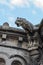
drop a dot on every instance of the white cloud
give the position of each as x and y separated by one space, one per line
38 3
13 3
19 3
3 1
22 3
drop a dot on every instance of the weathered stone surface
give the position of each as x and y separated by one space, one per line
21 46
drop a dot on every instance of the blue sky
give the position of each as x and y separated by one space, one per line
32 10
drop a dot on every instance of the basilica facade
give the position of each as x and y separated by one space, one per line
16 47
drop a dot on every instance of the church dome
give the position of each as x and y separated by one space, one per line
5 25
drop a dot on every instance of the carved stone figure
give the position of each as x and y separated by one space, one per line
25 24
36 38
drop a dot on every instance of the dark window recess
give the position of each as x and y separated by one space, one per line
16 63
2 61
19 44
20 41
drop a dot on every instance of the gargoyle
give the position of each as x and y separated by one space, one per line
37 37
26 25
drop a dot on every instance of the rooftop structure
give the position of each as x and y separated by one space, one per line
21 46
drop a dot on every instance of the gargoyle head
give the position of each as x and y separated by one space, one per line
18 21
24 24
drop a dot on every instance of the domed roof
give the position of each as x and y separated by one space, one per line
6 24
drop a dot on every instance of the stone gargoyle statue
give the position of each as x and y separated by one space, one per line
26 25
37 31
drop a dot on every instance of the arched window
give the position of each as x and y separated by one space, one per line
16 63
18 60
2 61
